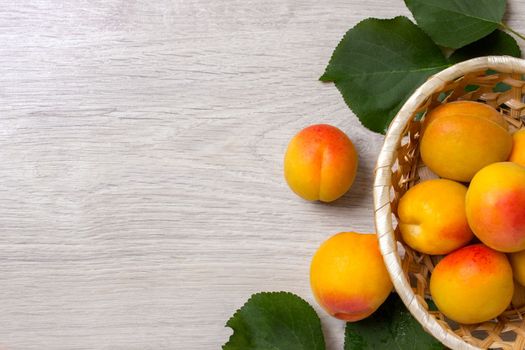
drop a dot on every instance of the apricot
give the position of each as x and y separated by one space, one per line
495 206
472 284
518 148
348 276
517 261
432 217
320 163
460 138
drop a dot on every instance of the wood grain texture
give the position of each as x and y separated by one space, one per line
141 190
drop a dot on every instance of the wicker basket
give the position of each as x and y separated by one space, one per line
399 167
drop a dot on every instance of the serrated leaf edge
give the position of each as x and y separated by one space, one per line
464 44
325 77
269 293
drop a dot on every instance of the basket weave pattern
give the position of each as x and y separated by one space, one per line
399 167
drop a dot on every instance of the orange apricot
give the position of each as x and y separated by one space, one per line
320 163
432 217
495 205
461 137
518 148
473 284
517 260
348 276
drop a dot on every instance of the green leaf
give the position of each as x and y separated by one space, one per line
456 23
275 321
378 64
390 327
496 43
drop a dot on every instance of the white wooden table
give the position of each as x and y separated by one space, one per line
141 143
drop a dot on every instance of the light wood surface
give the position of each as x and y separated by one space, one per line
141 142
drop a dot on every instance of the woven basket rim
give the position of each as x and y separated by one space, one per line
383 178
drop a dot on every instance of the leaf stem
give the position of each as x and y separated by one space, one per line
506 27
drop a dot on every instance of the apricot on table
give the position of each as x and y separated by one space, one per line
495 206
473 284
320 163
432 217
348 276
460 138
518 148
